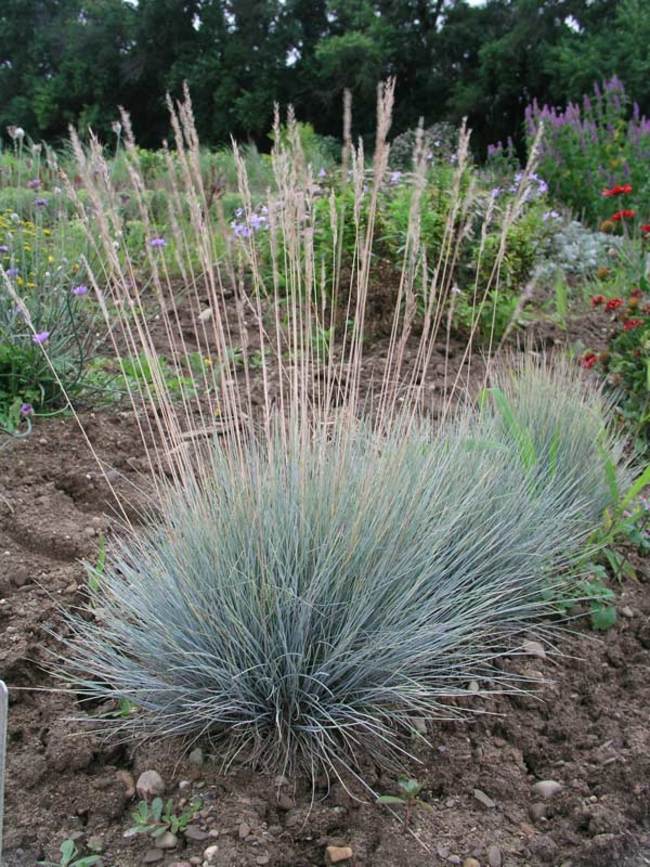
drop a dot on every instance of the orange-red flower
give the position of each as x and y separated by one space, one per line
636 293
645 229
614 304
597 300
631 324
627 214
618 190
588 360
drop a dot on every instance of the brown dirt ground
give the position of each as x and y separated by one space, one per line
586 726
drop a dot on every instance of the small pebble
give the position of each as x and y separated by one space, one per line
184 785
419 724
127 781
193 832
547 788
337 854
453 859
471 862
626 611
537 812
285 802
494 856
153 855
244 831
262 859
533 648
167 841
196 757
211 853
484 799
150 784
95 844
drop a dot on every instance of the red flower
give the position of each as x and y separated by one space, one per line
645 229
618 190
623 215
636 293
631 324
614 303
597 300
588 360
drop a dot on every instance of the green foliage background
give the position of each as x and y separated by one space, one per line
75 61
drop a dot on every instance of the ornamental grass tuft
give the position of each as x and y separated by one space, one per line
305 599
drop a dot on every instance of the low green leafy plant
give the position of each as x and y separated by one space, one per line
70 857
159 816
409 799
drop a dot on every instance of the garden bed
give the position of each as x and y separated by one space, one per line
585 727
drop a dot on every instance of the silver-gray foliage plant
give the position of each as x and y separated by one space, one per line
305 609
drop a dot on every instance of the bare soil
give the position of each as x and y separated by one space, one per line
585 727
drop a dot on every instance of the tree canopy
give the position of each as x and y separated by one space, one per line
76 61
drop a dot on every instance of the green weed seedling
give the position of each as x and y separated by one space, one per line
159 817
409 799
69 853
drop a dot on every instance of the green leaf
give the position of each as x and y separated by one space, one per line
68 851
157 808
641 482
390 799
603 617
521 436
410 786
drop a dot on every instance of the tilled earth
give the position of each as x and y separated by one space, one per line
585 728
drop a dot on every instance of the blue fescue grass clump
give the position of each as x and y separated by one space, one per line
303 599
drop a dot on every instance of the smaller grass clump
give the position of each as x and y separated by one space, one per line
306 594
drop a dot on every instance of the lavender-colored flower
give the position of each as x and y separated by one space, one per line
40 337
495 192
41 203
550 215
80 290
4 248
322 173
394 178
240 230
34 184
12 272
26 409
157 243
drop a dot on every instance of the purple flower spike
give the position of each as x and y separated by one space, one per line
80 290
34 184
12 272
40 338
26 409
157 242
41 203
4 248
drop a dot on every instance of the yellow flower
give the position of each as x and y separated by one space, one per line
207 361
50 259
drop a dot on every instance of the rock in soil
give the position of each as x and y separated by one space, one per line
547 788
193 832
484 799
337 854
150 784
151 856
494 856
167 841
